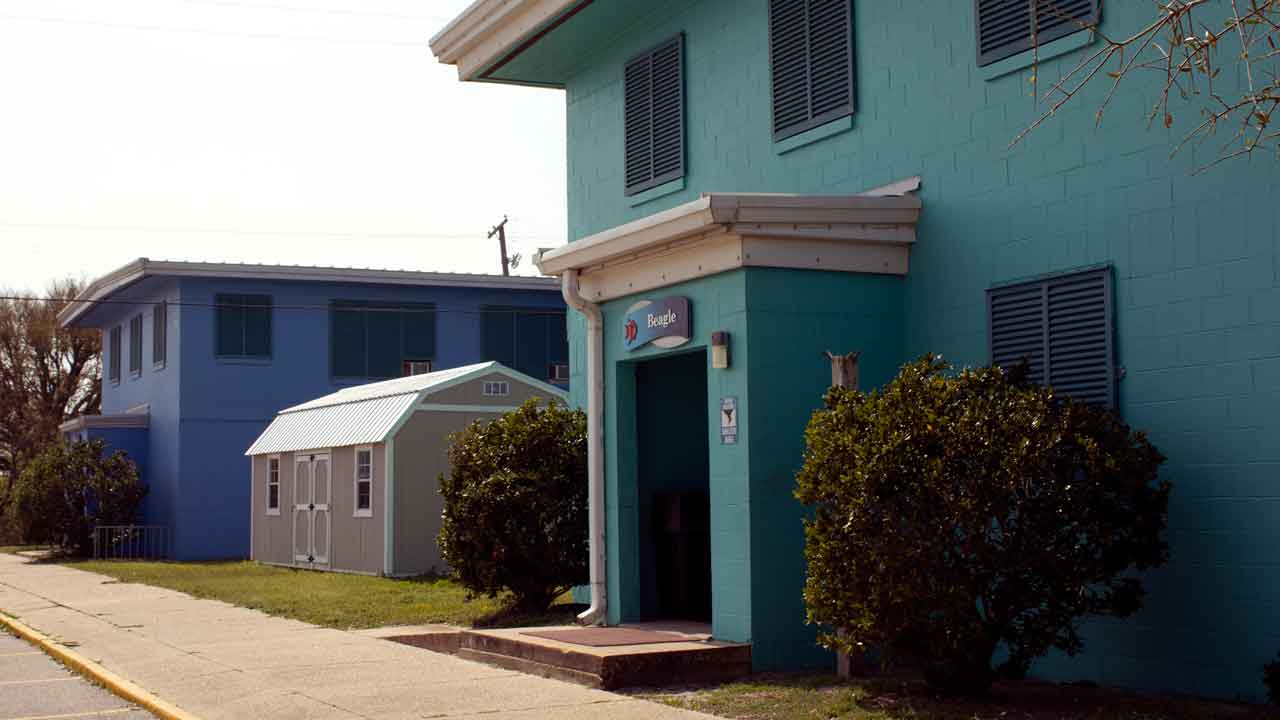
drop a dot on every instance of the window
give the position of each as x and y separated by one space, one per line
558 372
416 367
114 355
811 63
1062 324
135 346
273 486
364 482
379 341
494 388
243 326
159 334
653 116
527 339
1006 27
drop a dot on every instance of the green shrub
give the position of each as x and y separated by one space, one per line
1271 678
66 490
515 505
958 513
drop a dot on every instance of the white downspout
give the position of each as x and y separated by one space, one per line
595 442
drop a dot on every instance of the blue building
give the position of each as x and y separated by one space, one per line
801 176
199 357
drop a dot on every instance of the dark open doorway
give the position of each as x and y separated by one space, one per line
674 487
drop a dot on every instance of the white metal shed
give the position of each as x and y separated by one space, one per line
390 441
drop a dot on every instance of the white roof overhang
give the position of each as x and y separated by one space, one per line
489 30
724 231
135 271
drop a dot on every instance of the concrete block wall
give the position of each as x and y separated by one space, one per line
1195 259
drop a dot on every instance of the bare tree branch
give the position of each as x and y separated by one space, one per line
1189 54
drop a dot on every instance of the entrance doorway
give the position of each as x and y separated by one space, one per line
311 492
674 487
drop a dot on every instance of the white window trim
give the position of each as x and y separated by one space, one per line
267 499
356 511
496 388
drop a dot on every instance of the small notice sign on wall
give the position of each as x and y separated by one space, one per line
728 421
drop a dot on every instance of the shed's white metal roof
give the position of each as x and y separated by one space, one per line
369 413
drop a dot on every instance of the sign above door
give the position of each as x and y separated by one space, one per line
665 322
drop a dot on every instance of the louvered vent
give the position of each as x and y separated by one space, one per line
1063 326
1005 27
811 58
653 116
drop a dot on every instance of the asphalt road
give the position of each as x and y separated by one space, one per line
34 687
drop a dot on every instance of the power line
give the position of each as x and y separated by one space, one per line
208 31
235 231
379 307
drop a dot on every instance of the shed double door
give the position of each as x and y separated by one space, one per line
312 491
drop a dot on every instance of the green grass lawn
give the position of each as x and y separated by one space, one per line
336 600
824 697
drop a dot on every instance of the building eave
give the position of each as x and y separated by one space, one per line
141 420
490 32
724 231
117 280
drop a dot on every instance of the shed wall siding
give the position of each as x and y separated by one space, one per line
472 393
272 534
421 456
357 541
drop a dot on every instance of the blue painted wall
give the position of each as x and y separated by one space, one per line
1195 257
206 411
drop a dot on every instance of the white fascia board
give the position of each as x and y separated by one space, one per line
113 282
721 232
488 30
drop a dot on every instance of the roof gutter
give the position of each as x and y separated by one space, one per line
596 614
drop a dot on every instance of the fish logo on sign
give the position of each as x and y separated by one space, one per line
664 322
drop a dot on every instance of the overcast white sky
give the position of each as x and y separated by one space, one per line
316 132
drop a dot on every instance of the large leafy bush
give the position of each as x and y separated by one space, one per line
67 489
515 504
956 513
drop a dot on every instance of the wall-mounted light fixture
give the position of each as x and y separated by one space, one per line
720 349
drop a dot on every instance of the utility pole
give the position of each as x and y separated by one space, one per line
501 231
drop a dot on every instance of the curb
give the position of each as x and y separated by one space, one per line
92 670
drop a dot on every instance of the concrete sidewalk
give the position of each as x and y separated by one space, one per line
220 661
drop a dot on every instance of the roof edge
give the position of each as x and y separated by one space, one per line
122 277
488 31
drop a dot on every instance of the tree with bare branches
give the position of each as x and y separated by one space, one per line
48 375
1186 45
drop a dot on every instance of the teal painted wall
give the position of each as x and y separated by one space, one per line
1195 256
718 303
793 317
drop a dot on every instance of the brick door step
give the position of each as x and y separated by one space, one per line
610 667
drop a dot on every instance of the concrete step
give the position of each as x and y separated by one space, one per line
612 667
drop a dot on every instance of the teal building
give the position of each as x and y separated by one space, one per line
753 183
